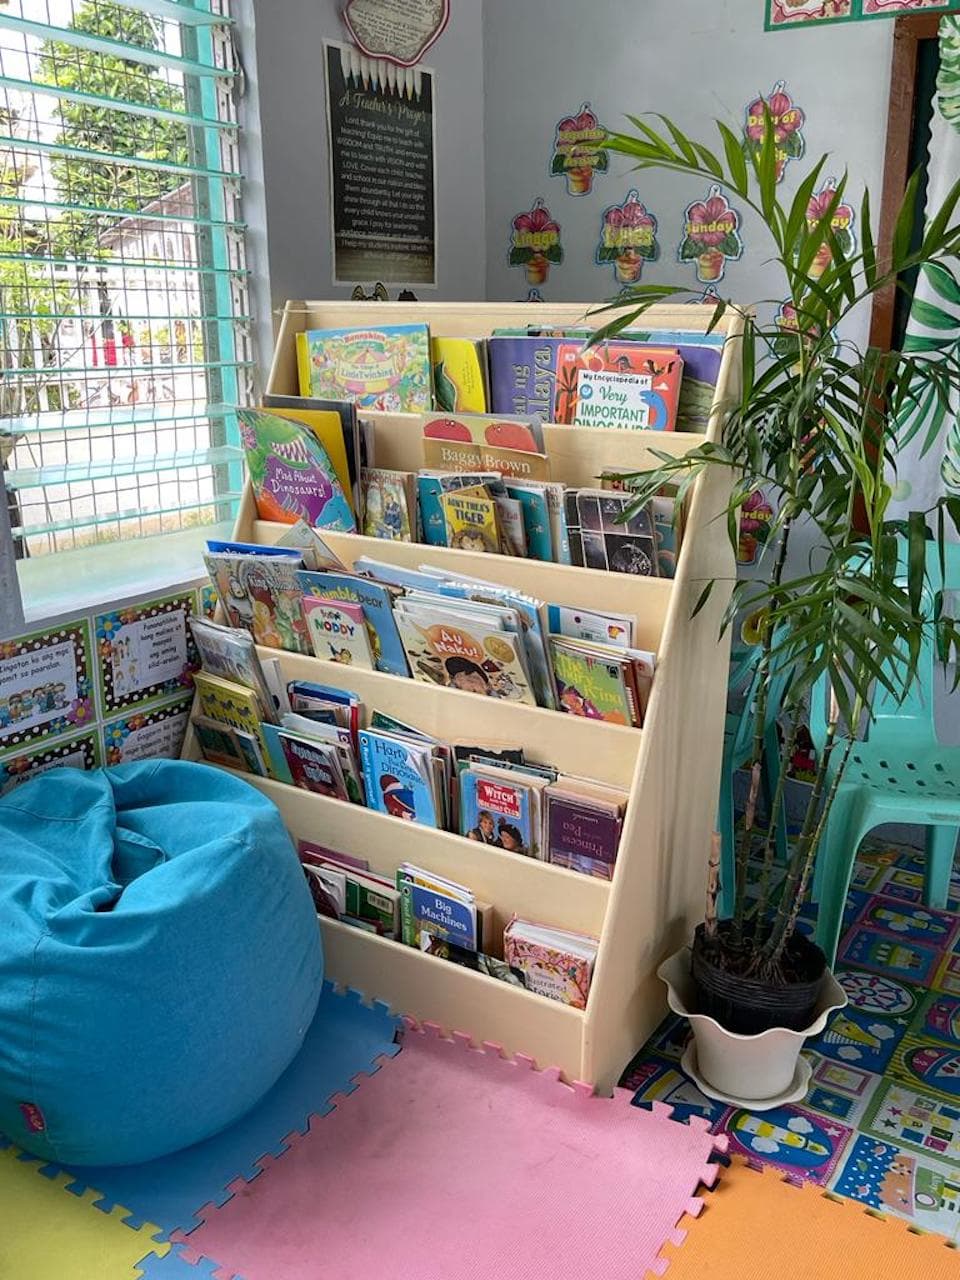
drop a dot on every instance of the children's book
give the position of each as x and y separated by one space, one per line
535 511
398 777
252 752
315 700
612 540
389 504
523 373
432 945
554 494
590 686
446 909
229 703
532 627
431 485
218 743
316 554
585 624
457 455
385 367
460 374
470 516
518 434
500 810
375 600
315 413
461 653
513 535
623 385
338 631
337 737
582 826
668 531
313 765
261 595
291 473
230 652
555 963
317 854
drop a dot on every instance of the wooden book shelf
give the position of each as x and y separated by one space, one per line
670 767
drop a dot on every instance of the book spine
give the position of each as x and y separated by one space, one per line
303 364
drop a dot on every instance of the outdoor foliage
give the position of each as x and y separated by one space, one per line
819 423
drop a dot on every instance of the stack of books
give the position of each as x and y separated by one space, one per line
318 737
442 918
660 381
435 626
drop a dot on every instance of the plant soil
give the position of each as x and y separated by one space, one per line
731 989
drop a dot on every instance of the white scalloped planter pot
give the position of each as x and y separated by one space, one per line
749 1070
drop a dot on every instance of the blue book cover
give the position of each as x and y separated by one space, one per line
432 523
536 521
442 916
394 780
252 549
523 375
276 761
497 812
377 607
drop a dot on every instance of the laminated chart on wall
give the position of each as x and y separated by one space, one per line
781 14
381 124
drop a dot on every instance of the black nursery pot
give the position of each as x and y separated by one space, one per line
746 1006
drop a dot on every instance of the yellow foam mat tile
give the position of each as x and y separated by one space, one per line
48 1233
755 1226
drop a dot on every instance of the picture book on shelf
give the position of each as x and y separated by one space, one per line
459 652
340 739
582 826
230 652
555 963
291 472
229 703
519 434
316 554
535 516
313 765
444 908
470 519
589 686
338 631
345 439
523 374
457 455
431 486
385 367
218 743
389 504
601 538
261 594
459 374
433 945
374 599
499 809
623 385
398 777
586 624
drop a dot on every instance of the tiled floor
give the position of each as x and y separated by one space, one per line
881 1119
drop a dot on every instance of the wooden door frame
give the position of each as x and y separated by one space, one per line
907 34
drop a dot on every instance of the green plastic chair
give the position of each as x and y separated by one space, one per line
899 773
737 750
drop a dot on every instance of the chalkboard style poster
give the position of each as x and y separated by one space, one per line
381 135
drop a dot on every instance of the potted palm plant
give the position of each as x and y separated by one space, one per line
817 423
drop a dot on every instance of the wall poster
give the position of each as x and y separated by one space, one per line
145 651
399 30
781 14
381 135
157 731
81 752
46 684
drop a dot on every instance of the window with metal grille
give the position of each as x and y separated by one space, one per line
122 280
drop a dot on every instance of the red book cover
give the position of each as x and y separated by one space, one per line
624 385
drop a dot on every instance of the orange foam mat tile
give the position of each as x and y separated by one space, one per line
755 1225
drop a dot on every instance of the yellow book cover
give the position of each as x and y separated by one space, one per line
327 426
459 374
231 704
303 365
471 516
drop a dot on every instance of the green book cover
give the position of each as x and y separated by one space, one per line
590 686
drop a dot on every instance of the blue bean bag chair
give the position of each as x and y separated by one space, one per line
160 960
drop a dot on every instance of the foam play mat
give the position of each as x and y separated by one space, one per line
755 1224
455 1161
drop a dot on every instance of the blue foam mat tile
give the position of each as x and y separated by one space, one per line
343 1041
174 1267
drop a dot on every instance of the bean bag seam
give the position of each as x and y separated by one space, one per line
34 996
53 817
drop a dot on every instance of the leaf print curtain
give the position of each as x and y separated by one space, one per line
929 462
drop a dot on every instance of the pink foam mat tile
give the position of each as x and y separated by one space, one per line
452 1160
